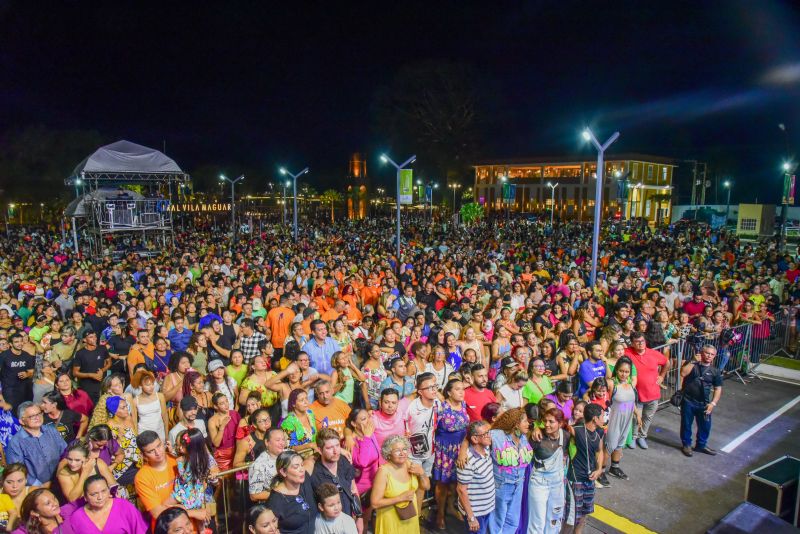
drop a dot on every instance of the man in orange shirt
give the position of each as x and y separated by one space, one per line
329 411
335 313
280 320
155 480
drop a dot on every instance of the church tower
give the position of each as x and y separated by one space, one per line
357 183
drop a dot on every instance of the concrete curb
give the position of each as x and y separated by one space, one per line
782 373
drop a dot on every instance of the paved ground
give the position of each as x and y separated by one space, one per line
669 493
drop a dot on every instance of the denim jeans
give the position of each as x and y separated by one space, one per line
692 411
546 502
483 524
507 507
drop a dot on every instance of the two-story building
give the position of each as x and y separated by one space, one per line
636 185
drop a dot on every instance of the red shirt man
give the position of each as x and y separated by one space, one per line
478 395
647 362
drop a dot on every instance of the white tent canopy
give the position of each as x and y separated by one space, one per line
80 206
125 157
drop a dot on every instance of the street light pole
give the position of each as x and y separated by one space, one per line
409 161
727 185
552 187
223 178
285 185
588 135
454 187
294 194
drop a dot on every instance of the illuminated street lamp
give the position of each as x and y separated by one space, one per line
409 161
222 179
286 184
588 135
454 187
294 194
552 187
727 184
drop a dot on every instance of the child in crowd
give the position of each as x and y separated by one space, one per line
331 519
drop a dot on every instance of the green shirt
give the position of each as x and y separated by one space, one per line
533 392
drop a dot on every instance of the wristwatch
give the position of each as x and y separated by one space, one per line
714 404
472 519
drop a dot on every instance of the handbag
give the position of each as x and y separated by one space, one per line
406 512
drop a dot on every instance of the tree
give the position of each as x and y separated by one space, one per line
471 212
431 109
35 161
332 196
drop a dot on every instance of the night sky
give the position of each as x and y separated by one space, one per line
262 84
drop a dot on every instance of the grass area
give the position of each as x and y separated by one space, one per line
788 363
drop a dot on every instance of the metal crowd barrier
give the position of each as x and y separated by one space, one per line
232 511
740 350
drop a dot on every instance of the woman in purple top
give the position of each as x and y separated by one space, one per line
104 514
41 514
563 399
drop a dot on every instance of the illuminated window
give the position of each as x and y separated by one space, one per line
649 172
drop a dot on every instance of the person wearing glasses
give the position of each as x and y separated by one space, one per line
292 497
475 487
651 369
37 446
702 389
394 490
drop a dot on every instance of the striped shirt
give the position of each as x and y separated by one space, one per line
478 477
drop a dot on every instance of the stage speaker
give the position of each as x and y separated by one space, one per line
751 519
774 487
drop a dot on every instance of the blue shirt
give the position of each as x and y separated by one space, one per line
179 340
408 386
39 454
588 372
320 355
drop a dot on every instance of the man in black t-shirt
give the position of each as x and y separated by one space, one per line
702 389
587 465
16 373
334 468
90 366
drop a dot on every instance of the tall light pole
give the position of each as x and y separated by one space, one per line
286 184
294 194
552 187
727 185
223 178
454 187
409 161
588 135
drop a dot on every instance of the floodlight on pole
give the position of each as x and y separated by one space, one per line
223 178
588 135
409 161
727 184
294 194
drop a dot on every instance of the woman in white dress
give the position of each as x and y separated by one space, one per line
150 405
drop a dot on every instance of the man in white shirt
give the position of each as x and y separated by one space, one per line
420 423
670 295
188 420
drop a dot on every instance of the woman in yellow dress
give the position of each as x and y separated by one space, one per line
394 490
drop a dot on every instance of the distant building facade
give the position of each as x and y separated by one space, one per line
635 186
357 185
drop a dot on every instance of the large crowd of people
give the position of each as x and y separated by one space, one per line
478 380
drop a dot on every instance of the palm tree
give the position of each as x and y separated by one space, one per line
332 196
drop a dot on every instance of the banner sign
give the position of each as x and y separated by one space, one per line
420 192
788 188
428 193
406 186
199 207
509 191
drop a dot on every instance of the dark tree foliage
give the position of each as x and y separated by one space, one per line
432 109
